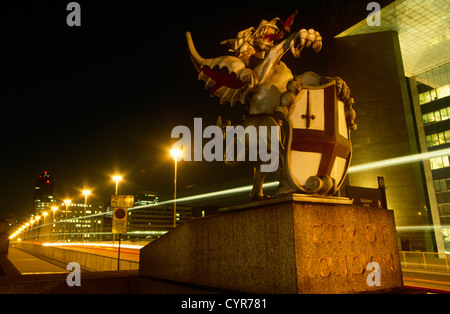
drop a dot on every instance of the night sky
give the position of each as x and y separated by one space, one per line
87 102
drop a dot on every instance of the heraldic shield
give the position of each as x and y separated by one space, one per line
318 150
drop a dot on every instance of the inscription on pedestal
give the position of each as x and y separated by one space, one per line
335 251
346 264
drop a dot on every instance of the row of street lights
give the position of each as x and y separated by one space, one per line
33 219
176 155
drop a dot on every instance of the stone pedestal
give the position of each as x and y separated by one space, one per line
282 246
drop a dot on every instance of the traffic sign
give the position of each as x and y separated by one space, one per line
125 201
119 224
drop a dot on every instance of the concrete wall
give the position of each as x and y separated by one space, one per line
4 241
87 261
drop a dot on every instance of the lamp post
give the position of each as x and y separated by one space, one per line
117 178
67 202
176 153
38 230
43 223
27 231
86 193
54 209
31 227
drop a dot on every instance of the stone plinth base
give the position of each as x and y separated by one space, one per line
286 247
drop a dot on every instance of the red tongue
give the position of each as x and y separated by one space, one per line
272 37
222 78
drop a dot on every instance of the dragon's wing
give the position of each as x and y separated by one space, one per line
227 76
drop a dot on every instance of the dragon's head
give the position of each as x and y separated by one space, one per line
266 33
253 41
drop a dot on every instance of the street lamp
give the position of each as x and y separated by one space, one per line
38 231
86 193
31 227
67 202
176 153
43 223
54 209
27 231
117 179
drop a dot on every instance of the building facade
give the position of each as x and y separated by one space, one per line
149 220
43 193
70 223
431 90
389 71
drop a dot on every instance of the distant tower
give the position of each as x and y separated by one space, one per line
43 192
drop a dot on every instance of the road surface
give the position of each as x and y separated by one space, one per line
433 281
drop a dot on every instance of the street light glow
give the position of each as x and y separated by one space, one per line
117 178
176 153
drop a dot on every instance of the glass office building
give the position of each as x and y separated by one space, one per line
398 71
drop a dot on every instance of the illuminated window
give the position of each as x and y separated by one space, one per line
421 99
438 93
447 136
439 162
437 116
427 96
429 141
435 139
444 114
438 138
441 138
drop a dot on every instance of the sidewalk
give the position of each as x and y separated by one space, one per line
28 264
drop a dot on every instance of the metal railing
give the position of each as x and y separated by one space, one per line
426 260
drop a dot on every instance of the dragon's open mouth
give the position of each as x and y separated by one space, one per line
222 77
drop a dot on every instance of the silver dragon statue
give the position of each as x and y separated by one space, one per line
256 77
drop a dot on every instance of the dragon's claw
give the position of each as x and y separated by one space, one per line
306 38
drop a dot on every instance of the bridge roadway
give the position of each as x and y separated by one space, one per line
27 264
